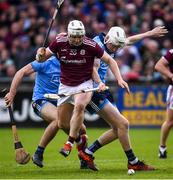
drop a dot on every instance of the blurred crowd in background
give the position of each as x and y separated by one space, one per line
23 25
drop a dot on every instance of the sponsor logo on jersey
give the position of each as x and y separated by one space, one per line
63 50
73 61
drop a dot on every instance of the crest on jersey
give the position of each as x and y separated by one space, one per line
73 52
82 52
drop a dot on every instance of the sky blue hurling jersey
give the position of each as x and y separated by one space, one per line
103 66
47 77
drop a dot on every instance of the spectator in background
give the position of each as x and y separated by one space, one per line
135 73
2 46
31 18
26 52
7 67
150 54
15 32
167 44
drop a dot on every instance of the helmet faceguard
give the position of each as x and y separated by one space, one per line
116 36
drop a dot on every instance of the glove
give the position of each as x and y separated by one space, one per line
41 53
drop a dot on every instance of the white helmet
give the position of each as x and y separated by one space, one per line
116 36
76 28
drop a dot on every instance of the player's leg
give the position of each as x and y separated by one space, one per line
80 102
106 138
64 120
113 117
64 123
119 129
47 111
167 125
64 114
165 129
97 103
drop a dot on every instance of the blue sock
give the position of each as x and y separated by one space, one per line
95 146
40 150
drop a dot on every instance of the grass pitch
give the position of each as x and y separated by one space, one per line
110 159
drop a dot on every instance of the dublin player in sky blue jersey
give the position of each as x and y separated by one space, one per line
101 103
47 80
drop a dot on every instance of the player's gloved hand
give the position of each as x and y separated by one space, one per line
102 87
41 53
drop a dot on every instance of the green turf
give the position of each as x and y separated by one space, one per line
110 159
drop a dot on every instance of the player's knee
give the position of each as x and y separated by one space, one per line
61 125
169 123
79 108
114 130
125 124
55 126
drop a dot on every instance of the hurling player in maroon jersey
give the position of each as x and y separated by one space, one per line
76 53
165 67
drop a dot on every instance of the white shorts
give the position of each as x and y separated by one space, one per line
72 89
169 98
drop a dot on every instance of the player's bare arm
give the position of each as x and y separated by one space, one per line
25 71
115 70
156 32
162 67
96 77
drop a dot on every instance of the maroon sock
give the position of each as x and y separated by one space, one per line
78 139
71 139
82 131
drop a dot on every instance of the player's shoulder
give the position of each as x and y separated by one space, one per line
89 42
170 51
169 55
62 37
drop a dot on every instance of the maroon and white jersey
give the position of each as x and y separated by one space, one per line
169 58
76 61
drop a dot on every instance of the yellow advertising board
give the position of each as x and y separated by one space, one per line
144 106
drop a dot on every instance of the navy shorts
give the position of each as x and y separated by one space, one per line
39 104
99 100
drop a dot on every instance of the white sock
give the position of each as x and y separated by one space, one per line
162 149
88 151
68 142
134 161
